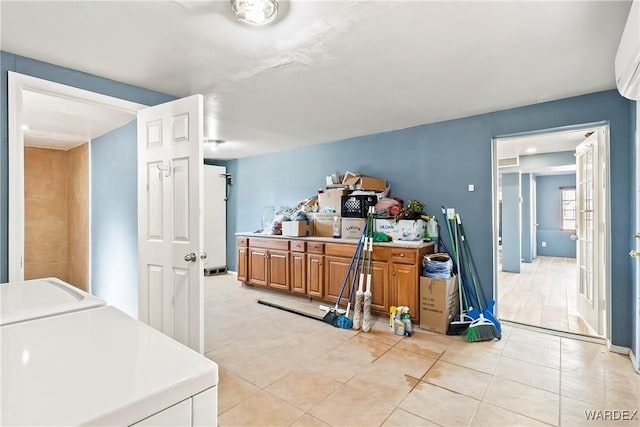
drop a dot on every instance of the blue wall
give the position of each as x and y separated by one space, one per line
114 218
434 163
122 158
511 229
527 235
549 212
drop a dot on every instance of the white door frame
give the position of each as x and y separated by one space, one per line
605 276
17 84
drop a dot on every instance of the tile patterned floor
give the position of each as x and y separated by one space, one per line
281 369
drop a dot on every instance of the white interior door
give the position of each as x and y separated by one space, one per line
170 167
587 213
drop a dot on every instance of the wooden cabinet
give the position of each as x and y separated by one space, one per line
269 262
405 287
315 275
318 269
335 270
298 272
258 274
242 267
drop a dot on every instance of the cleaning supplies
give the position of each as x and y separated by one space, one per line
432 229
406 321
337 227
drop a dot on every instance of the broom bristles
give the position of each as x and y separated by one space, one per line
357 311
366 318
481 330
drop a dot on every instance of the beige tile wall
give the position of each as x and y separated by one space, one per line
78 209
57 196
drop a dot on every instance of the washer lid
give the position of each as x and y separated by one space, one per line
34 299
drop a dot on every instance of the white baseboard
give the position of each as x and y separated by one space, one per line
618 349
232 272
635 361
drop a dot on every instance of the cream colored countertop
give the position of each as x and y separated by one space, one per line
395 244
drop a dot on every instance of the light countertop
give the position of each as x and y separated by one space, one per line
418 244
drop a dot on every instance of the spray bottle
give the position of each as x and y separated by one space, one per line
432 229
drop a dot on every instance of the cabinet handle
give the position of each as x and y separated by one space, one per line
393 273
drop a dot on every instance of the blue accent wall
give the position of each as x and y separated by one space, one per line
511 229
122 157
527 226
434 163
549 213
114 218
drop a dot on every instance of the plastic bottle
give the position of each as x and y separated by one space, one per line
432 229
406 320
336 227
392 315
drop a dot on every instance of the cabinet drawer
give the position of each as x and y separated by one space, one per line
297 246
242 241
315 247
339 249
265 242
403 256
380 253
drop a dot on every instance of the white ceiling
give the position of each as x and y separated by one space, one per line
542 143
61 124
327 70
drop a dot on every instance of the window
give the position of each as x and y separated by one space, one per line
568 208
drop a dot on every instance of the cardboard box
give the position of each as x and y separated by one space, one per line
323 224
438 303
297 228
409 229
365 183
386 226
331 199
352 227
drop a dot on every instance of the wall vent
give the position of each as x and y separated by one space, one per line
506 162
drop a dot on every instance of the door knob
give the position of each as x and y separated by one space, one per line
191 256
637 235
203 255
573 237
634 254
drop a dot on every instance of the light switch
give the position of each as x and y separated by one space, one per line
544 244
472 187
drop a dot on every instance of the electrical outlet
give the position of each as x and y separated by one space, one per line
472 187
544 244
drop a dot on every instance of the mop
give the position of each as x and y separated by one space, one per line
366 317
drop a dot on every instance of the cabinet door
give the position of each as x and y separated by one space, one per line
278 270
315 275
241 265
404 287
258 267
176 415
379 286
336 268
298 272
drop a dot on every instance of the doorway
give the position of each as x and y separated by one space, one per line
50 129
551 264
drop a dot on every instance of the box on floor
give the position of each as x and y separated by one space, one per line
438 303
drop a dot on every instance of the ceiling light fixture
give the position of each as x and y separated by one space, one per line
216 143
255 12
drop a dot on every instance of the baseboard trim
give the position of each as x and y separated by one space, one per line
634 361
617 348
587 338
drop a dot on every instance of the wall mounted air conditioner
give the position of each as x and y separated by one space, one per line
507 162
627 64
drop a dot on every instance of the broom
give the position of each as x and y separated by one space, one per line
482 331
344 321
460 324
332 315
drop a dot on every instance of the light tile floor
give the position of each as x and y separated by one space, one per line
281 369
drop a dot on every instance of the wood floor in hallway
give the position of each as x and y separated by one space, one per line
543 294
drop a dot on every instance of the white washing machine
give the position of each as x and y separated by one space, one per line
34 299
67 359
